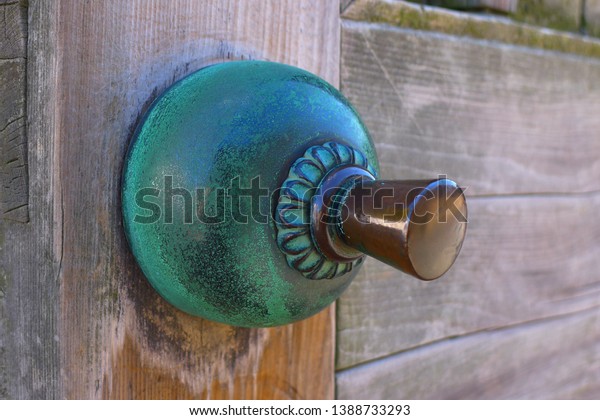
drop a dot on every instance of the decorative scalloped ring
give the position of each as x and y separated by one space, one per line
292 216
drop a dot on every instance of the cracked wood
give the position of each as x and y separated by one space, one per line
13 141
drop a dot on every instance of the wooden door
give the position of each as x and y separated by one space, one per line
509 111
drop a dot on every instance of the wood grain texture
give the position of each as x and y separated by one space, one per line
13 197
524 258
499 119
13 30
13 140
114 336
478 26
551 359
29 252
591 15
505 122
562 15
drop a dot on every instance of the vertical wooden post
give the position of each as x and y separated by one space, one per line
95 66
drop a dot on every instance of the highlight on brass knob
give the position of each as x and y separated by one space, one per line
415 226
251 196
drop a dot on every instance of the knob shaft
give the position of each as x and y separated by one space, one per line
417 226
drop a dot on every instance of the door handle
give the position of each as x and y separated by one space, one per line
251 196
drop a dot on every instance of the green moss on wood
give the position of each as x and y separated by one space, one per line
469 5
429 19
562 16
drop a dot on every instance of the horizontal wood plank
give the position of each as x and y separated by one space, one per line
505 122
478 26
563 15
498 119
550 359
523 258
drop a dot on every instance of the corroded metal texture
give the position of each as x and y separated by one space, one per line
201 182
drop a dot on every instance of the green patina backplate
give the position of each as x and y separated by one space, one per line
199 147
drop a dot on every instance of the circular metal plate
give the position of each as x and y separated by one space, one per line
201 182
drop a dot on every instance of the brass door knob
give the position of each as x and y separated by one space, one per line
425 220
251 197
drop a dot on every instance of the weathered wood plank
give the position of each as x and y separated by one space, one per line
13 143
344 4
499 119
592 17
13 30
524 258
426 100
13 171
550 359
503 6
29 252
12 83
410 15
114 336
563 15
14 200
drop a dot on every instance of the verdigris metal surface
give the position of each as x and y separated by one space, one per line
300 201
217 145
